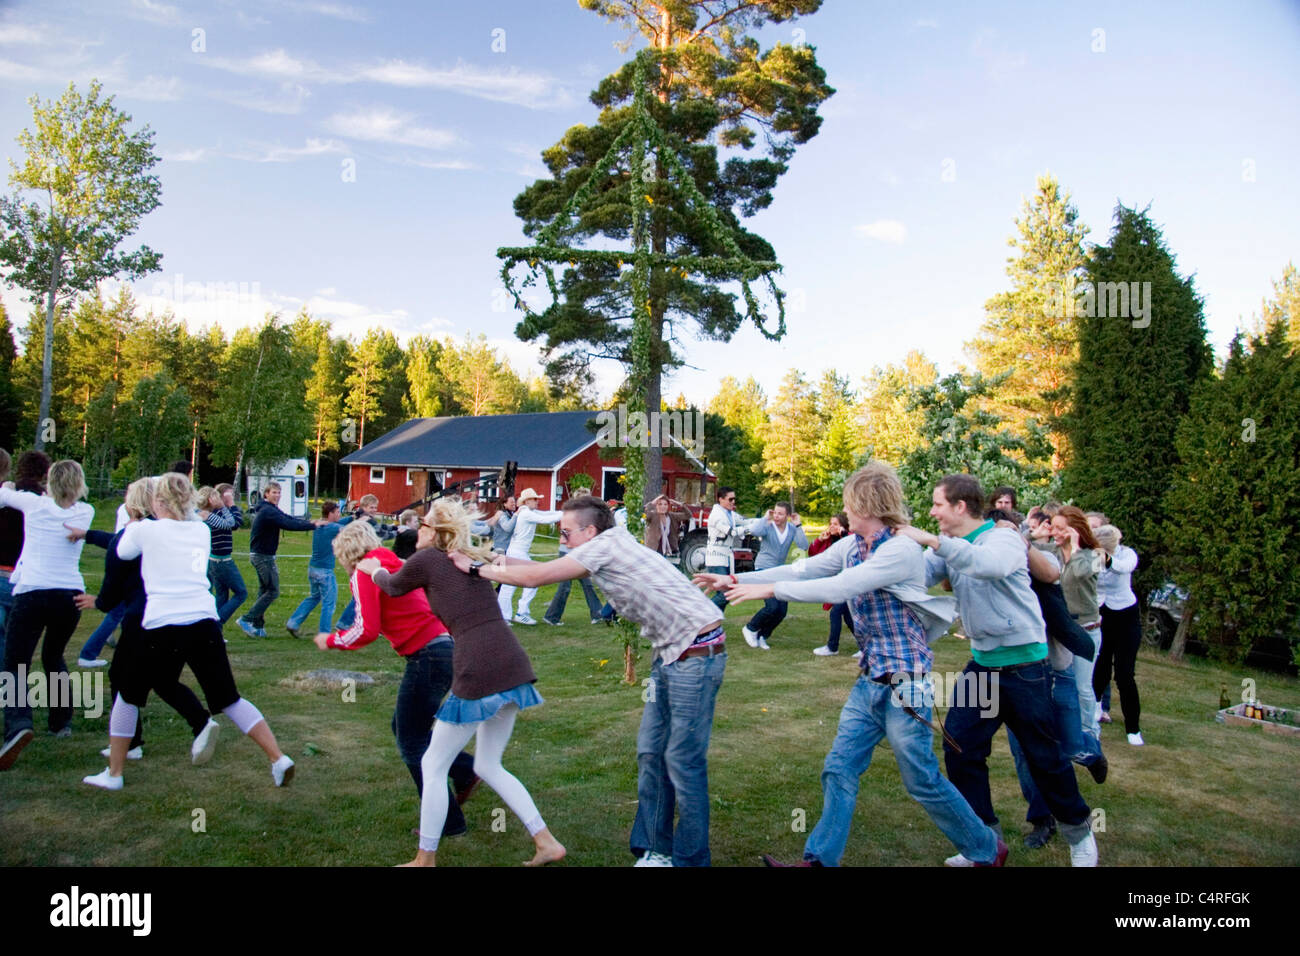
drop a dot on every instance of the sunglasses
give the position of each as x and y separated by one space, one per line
564 535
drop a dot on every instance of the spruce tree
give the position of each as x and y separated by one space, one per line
1133 382
1232 514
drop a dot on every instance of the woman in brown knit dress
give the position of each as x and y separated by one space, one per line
492 677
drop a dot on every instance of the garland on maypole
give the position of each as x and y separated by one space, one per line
646 143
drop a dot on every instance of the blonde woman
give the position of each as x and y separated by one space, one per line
45 582
180 627
492 677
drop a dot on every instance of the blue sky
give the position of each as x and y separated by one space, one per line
891 224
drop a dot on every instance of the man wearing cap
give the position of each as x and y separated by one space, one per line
527 518
690 659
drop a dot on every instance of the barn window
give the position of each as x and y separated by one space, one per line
410 472
376 476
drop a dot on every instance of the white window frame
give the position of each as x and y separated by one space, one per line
489 492
380 479
605 470
409 482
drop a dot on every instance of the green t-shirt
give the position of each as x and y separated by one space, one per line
1004 656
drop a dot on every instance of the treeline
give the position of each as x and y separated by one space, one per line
132 393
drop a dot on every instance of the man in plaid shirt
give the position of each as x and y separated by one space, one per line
690 659
881 575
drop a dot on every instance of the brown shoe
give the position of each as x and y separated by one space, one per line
13 747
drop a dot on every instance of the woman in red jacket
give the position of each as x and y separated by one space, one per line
421 639
838 528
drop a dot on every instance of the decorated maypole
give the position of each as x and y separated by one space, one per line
646 149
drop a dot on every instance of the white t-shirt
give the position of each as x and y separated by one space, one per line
49 559
174 568
526 522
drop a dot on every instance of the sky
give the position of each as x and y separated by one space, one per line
361 158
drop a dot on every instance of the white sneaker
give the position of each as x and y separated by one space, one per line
825 651
135 753
958 860
1084 853
524 619
762 643
750 638
857 655
97 662
205 744
654 859
104 779
1136 739
282 771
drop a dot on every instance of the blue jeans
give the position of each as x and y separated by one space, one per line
1089 712
765 620
425 683
1025 706
268 588
719 599
349 614
324 591
839 615
873 712
94 645
228 585
672 750
555 611
6 602
1075 745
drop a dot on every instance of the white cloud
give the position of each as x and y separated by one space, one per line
20 72
152 88
926 23
285 154
389 126
534 90
434 163
155 12
337 11
249 21
21 35
886 230
289 100
185 155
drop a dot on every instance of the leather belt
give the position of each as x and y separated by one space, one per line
704 650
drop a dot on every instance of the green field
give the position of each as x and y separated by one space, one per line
1199 793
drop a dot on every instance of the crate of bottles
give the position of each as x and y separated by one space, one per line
1278 720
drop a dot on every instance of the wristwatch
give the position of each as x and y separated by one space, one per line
473 569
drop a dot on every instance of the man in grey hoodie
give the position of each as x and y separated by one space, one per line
987 567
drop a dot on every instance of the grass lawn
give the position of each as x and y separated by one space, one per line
1199 793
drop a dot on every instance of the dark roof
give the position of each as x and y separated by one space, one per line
541 440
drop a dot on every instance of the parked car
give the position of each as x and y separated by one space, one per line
1164 611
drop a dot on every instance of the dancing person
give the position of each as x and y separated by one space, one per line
45 582
988 569
502 522
880 575
263 543
408 533
663 526
367 509
492 677
323 587
779 530
418 637
690 658
836 528
223 516
123 587
527 518
725 528
1121 629
179 628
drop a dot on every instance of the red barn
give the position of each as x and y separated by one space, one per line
550 447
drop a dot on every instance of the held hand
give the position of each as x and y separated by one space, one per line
322 641
749 592
711 582
74 534
923 538
84 602
461 560
369 566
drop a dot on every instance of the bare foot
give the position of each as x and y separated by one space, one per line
549 850
422 858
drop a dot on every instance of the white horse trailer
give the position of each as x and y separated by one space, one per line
292 476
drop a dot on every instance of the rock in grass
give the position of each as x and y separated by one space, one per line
328 679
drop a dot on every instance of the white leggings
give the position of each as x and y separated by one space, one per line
507 593
491 737
122 718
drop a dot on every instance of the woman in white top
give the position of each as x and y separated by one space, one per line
527 518
1121 629
45 583
180 627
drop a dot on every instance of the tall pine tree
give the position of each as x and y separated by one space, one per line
1133 383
